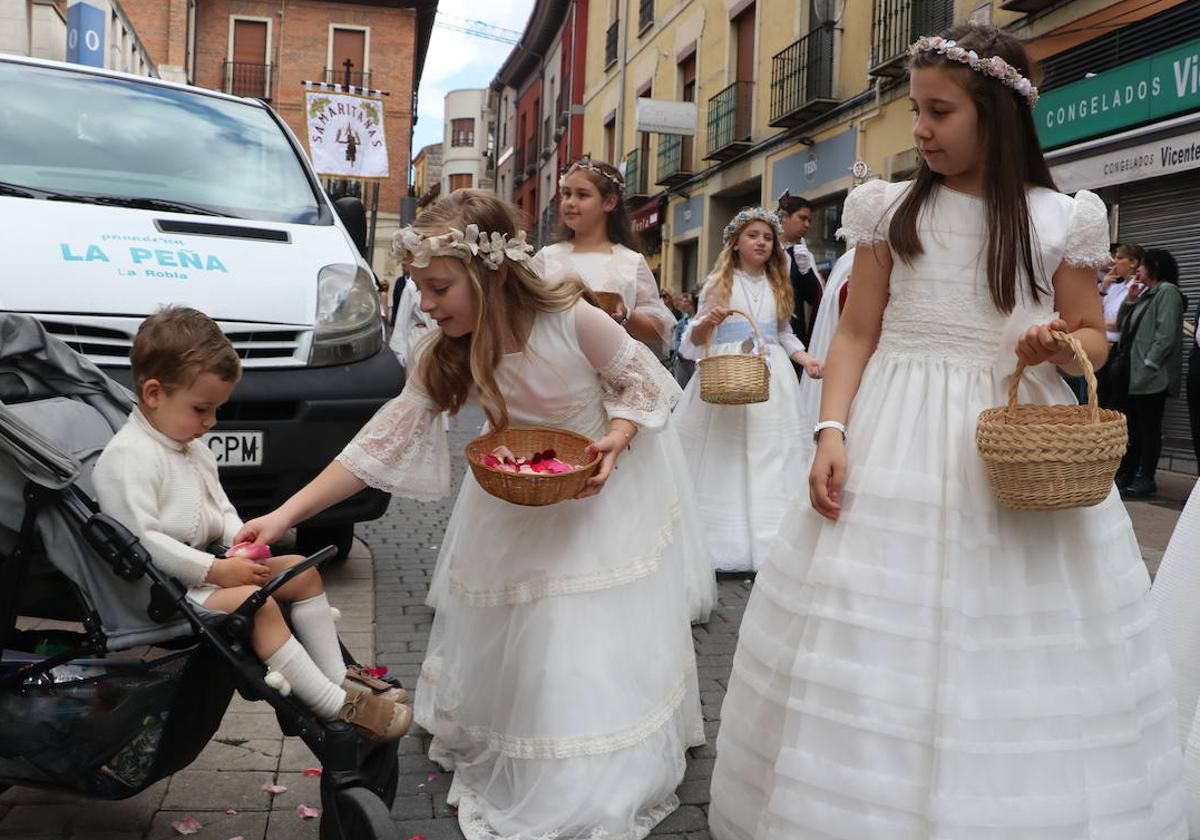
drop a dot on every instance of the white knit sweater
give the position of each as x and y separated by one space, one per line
168 494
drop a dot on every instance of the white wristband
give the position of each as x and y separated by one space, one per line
828 424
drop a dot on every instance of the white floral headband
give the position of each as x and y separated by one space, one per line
493 248
745 217
586 163
993 66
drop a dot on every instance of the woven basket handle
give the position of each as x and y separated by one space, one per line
1089 374
762 345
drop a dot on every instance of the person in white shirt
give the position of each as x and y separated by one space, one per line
159 478
1113 288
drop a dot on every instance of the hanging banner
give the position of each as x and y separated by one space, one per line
345 135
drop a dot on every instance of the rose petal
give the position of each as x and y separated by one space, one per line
312 771
307 812
430 777
188 825
274 789
231 811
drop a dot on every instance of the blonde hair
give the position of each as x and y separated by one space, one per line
450 366
776 268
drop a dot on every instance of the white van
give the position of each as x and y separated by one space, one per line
120 193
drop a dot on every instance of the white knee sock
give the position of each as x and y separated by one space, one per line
310 686
313 622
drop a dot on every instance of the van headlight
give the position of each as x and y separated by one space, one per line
349 326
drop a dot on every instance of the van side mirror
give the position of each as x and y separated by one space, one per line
353 214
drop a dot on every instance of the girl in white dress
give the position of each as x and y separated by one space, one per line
560 682
829 312
746 461
600 248
915 661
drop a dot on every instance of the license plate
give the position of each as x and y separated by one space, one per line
236 449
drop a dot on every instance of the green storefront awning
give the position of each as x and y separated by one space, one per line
1157 86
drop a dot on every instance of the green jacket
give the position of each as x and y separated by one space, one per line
1156 360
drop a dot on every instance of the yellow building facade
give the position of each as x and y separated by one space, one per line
788 96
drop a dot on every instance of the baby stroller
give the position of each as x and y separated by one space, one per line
74 715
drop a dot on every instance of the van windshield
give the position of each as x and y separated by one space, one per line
81 135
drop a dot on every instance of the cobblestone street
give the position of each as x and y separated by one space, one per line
405 546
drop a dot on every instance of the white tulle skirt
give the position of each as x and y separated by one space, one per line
560 682
1176 597
746 461
932 666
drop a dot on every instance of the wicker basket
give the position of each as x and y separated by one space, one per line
1051 457
540 488
735 378
609 301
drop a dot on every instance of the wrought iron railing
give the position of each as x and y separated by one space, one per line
729 116
897 23
802 74
341 76
674 158
245 78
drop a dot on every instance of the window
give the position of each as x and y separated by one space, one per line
610 138
348 57
246 71
687 93
645 15
460 182
643 175
462 132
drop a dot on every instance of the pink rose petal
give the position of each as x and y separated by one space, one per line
312 771
239 837
431 777
231 811
307 812
417 837
251 551
274 789
188 825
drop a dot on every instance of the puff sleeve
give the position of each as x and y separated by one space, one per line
1087 235
862 214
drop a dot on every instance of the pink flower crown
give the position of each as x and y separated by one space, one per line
993 66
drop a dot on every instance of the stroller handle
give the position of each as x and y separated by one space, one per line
241 617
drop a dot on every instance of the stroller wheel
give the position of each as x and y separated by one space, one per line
357 814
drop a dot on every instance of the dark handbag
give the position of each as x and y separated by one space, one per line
1120 365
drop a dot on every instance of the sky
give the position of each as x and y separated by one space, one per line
456 60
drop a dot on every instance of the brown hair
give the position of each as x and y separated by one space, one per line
618 227
1013 162
1130 251
449 366
176 344
776 267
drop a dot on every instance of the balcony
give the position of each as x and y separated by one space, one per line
341 76
729 121
518 165
531 156
636 176
897 23
645 15
547 134
243 78
674 159
563 113
802 79
610 44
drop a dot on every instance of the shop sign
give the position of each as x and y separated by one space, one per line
1157 86
648 217
1134 163
665 116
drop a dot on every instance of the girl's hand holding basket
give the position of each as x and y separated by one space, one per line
1038 345
609 448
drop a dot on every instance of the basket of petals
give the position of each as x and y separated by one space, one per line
533 466
608 301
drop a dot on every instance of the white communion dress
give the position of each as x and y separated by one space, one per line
747 461
626 273
560 681
932 665
1176 597
829 313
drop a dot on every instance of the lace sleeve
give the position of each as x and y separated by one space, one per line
636 386
648 302
862 214
788 340
709 299
402 449
1087 237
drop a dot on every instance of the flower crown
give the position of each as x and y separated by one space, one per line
493 248
745 217
993 66
586 163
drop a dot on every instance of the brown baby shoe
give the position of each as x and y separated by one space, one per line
379 719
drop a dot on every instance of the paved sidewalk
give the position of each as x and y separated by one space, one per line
247 752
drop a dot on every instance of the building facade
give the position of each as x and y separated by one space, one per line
468 141
39 29
427 170
267 49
